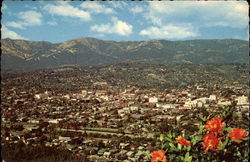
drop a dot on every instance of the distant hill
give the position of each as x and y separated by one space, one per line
152 77
22 55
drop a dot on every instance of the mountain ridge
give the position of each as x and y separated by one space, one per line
23 55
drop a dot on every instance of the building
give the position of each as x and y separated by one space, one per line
213 97
84 92
242 103
224 103
44 95
242 100
153 100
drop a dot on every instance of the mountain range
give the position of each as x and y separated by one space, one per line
23 55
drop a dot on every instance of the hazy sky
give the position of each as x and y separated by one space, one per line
58 21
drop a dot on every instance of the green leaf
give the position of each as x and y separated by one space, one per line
199 138
163 146
168 139
193 141
208 117
221 146
226 142
229 129
238 141
179 146
172 145
196 139
187 157
238 154
148 155
161 137
169 135
171 157
201 127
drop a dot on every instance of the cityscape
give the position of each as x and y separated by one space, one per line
125 81
105 124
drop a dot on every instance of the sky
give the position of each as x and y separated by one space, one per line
59 21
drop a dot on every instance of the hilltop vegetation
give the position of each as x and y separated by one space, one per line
21 55
144 76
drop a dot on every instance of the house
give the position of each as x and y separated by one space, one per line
134 108
199 88
203 99
212 97
191 103
169 106
100 92
185 108
242 103
34 121
105 98
242 100
54 121
31 127
64 139
67 96
44 95
200 104
84 92
100 83
166 107
224 103
120 111
152 99
126 110
120 104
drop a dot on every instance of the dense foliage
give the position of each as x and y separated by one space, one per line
144 76
217 139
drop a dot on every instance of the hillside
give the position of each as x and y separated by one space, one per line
144 76
21 55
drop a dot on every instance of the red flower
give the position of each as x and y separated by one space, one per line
158 156
210 141
215 125
183 141
237 134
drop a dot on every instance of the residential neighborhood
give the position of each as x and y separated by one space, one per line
106 124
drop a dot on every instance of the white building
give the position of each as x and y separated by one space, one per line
54 121
67 96
200 104
42 95
243 103
105 98
213 97
134 108
153 100
126 110
84 92
224 103
191 103
168 106
64 139
242 100
203 99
